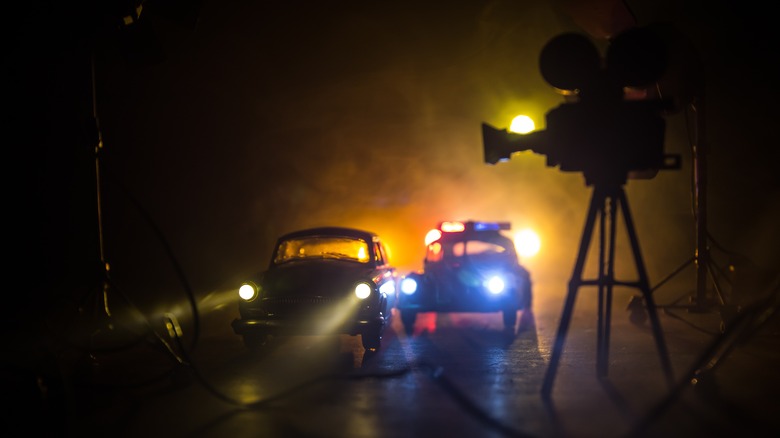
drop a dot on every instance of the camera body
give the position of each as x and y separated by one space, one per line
607 141
603 134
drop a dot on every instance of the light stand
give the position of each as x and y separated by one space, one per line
100 306
700 301
700 206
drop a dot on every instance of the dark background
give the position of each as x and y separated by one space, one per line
225 124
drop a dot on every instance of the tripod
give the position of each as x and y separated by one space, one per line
606 200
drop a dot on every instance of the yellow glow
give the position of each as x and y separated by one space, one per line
332 320
522 125
527 242
362 254
247 292
389 253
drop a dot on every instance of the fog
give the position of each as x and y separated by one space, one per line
262 119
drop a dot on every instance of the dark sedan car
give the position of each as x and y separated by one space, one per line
468 267
328 280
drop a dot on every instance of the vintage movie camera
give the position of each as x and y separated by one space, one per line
601 133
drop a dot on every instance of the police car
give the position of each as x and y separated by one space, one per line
468 267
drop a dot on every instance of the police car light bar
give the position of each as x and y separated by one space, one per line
490 226
458 227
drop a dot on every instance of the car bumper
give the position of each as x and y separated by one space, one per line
474 304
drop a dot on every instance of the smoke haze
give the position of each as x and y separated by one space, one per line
263 120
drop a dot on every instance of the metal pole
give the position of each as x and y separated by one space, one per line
700 192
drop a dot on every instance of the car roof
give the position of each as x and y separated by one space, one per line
368 236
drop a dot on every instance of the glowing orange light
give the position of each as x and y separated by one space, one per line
452 227
432 236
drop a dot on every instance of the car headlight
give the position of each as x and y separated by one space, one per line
363 290
248 291
388 288
409 286
495 284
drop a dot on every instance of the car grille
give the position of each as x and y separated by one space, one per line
281 306
295 301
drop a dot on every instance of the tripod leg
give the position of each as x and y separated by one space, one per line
601 326
644 286
596 204
606 283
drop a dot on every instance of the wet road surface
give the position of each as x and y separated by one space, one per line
454 375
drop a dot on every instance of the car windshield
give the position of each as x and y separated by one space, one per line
322 247
475 250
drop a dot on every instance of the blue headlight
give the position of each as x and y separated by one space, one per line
409 286
495 284
388 288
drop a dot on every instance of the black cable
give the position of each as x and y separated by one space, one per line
436 373
470 407
745 324
171 257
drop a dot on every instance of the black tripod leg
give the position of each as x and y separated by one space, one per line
600 330
644 286
606 283
596 204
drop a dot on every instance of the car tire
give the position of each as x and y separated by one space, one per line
371 340
408 318
527 297
510 319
